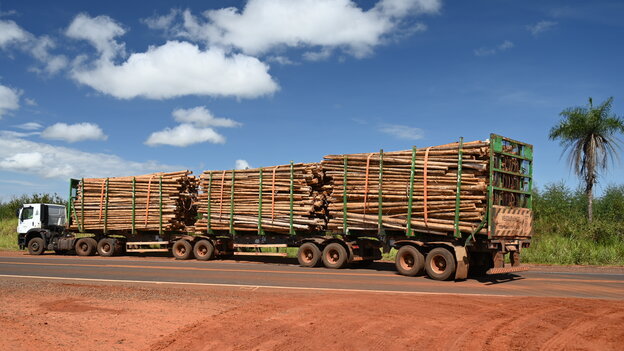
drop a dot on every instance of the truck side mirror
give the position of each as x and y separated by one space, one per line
17 213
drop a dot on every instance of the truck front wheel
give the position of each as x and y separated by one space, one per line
440 264
36 246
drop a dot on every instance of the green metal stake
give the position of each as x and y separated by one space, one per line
291 231
133 205
68 211
81 206
260 230
380 196
410 199
106 210
232 204
460 155
344 196
209 200
160 231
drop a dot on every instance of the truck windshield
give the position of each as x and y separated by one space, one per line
27 213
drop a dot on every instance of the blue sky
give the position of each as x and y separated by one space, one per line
117 88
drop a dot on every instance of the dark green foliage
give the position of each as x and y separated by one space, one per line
8 209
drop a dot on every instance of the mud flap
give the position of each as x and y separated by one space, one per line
461 256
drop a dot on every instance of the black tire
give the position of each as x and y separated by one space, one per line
203 250
440 264
85 247
36 246
409 261
309 255
335 256
107 247
182 250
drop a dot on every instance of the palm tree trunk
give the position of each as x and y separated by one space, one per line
589 190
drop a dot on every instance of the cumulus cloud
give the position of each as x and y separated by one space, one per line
265 24
184 135
29 126
38 47
242 164
177 69
484 51
11 33
9 100
100 31
50 161
74 132
402 131
195 128
202 117
540 27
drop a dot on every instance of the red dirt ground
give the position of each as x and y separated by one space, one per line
40 315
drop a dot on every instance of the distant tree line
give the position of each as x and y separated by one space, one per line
9 208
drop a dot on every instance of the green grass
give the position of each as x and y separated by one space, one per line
8 234
555 249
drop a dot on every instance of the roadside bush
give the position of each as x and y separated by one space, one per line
9 208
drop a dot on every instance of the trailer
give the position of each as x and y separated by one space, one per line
484 227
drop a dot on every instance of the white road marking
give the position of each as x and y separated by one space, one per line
247 286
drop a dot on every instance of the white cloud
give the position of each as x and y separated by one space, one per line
50 161
177 69
265 24
9 100
242 164
74 132
30 102
184 135
29 126
202 117
402 131
540 27
504 46
11 33
100 31
317 55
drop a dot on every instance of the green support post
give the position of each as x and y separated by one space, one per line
344 196
160 230
410 199
380 195
460 156
291 231
232 204
260 230
209 210
106 210
81 229
133 205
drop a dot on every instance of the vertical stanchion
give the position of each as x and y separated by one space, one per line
345 227
460 156
232 204
260 230
133 205
380 195
209 210
411 194
291 231
82 205
160 231
106 210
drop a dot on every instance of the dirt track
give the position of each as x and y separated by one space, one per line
40 315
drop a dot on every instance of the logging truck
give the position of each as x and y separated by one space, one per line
445 211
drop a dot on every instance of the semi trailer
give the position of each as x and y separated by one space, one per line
368 203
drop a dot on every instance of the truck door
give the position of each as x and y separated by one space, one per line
26 219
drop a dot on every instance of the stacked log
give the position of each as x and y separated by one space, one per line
434 189
141 203
260 199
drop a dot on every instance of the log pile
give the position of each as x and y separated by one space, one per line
434 189
114 204
260 199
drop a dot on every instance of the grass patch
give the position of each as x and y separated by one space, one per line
553 249
8 234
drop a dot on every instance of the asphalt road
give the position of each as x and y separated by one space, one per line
284 274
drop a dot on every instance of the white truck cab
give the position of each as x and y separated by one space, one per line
42 221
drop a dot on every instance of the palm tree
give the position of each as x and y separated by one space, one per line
589 134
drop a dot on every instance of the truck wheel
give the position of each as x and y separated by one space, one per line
334 256
204 250
85 247
182 250
440 264
106 247
36 246
309 255
409 261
